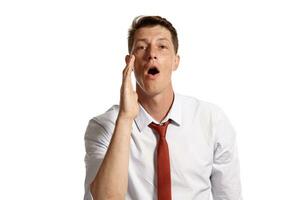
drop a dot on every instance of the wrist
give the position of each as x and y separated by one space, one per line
125 118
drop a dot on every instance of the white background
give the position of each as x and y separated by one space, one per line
61 63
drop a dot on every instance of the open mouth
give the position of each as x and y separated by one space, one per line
153 71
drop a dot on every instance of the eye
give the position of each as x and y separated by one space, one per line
141 47
163 46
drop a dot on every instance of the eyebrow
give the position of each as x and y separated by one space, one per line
145 40
164 39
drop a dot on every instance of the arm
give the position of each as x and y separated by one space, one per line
225 177
112 177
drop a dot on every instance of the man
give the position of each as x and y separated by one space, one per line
158 144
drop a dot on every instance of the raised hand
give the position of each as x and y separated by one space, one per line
129 106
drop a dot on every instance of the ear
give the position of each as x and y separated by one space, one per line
176 64
127 59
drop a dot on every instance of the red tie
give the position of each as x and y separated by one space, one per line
163 162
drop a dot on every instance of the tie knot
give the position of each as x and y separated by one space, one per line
161 129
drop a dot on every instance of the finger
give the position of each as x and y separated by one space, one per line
131 61
129 67
127 72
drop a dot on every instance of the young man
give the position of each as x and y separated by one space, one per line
158 144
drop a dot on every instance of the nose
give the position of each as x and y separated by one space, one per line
152 54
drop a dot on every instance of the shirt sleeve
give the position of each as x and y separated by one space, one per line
225 177
96 144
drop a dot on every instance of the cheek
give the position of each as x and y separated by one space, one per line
138 69
169 65
137 72
139 56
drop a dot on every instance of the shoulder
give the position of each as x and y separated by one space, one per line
197 106
110 115
106 120
209 115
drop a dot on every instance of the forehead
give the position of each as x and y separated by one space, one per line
152 33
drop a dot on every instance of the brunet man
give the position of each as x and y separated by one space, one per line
158 144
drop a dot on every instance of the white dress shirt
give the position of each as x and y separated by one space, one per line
202 148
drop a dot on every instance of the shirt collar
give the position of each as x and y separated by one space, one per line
143 119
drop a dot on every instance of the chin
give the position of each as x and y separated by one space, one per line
148 91
151 89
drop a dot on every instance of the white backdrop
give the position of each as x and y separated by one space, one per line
61 63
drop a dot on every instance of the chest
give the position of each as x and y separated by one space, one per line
190 152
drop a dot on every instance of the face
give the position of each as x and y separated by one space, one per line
155 59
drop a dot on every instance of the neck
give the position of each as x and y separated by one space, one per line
157 105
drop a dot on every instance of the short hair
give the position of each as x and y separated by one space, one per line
150 21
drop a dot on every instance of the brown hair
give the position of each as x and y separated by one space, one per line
150 21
